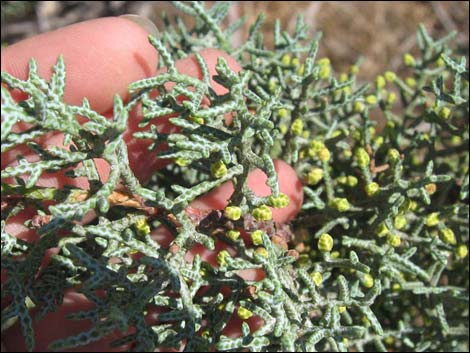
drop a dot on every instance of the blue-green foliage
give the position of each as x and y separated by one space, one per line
397 276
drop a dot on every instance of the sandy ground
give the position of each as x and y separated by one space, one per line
380 31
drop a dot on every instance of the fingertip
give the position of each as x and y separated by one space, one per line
101 56
289 184
138 149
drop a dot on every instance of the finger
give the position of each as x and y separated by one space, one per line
217 199
97 69
54 326
138 148
289 184
102 57
142 161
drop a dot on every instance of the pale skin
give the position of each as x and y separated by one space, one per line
102 57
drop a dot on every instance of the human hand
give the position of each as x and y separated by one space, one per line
118 54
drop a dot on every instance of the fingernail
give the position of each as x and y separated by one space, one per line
144 23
